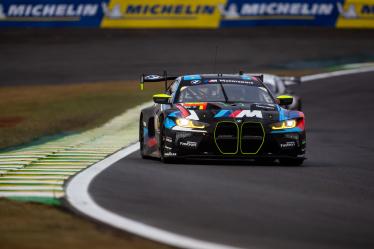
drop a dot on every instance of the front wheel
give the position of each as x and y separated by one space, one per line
291 161
141 138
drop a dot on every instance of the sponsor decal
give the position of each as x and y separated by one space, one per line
288 144
169 139
281 12
189 144
167 147
181 135
247 113
282 8
236 81
262 106
195 105
152 77
162 13
239 114
211 81
170 154
192 77
355 14
292 136
195 82
50 13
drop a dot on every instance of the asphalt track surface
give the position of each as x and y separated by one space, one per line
327 203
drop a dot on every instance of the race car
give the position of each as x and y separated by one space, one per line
280 86
220 116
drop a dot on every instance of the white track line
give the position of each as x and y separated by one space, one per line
79 198
336 74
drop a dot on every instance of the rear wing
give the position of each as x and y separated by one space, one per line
156 78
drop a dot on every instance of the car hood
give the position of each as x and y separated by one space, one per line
209 111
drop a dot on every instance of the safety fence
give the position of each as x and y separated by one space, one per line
186 13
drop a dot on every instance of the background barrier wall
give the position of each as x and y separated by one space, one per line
186 13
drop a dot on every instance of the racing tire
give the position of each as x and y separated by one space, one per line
141 138
291 161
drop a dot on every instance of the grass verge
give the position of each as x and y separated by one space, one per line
31 225
30 112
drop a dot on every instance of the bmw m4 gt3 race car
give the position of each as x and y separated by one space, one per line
220 116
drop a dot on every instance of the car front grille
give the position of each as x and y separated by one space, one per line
251 137
229 136
226 137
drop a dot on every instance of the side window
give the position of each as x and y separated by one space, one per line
174 86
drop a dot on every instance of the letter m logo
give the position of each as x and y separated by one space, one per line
250 114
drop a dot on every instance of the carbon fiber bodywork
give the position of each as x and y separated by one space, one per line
224 129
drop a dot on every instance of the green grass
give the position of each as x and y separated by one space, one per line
31 225
30 112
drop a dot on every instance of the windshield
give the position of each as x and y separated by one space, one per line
214 93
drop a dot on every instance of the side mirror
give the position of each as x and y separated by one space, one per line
285 99
161 98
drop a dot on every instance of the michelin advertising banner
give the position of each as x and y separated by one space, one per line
338 13
186 13
355 14
50 13
163 14
241 13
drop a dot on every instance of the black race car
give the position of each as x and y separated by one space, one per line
220 116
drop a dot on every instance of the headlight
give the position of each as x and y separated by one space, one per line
288 124
182 122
